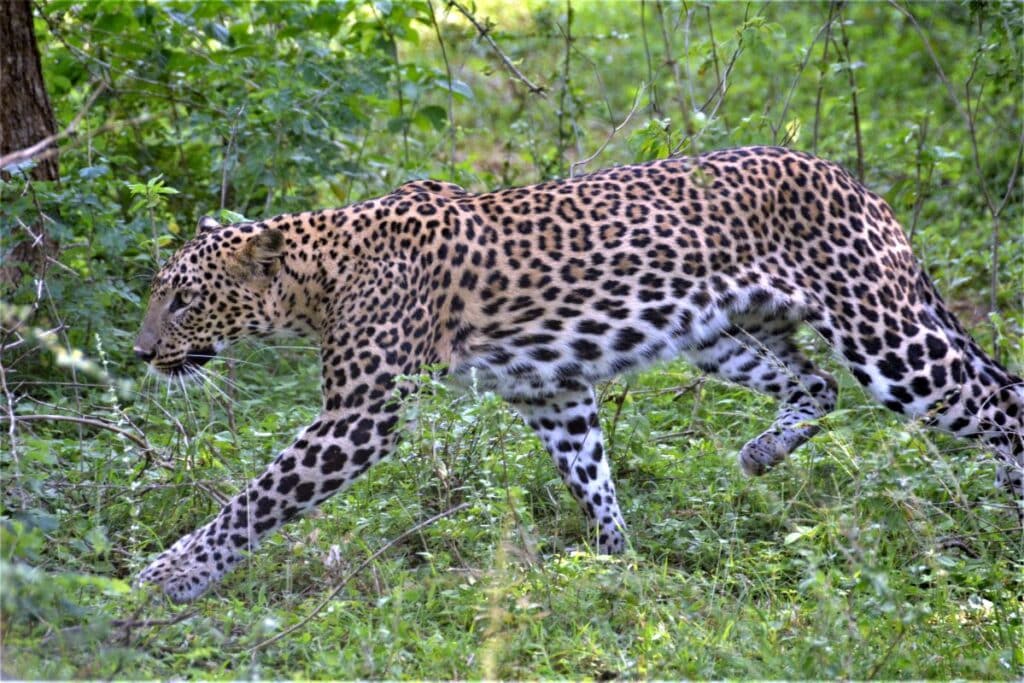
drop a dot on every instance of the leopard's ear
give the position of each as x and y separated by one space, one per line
259 256
206 224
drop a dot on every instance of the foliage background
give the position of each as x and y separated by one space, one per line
881 551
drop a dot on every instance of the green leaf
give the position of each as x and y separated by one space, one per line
226 216
397 124
457 87
219 31
432 116
798 533
93 172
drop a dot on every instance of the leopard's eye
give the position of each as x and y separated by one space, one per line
182 298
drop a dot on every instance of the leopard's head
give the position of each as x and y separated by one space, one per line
211 292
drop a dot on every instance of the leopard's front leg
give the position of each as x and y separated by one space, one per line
355 431
329 455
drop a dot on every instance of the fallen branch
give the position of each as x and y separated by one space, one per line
92 422
148 451
351 575
149 623
125 625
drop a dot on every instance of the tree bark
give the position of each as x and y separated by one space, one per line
26 118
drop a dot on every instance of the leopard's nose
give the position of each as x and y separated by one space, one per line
144 355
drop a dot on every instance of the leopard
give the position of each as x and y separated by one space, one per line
540 293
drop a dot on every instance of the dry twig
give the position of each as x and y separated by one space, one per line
451 94
44 145
826 30
574 168
852 80
484 32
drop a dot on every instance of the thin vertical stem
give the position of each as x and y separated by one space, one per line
853 94
565 94
655 107
673 64
821 76
451 95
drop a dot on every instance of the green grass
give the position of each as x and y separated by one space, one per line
879 550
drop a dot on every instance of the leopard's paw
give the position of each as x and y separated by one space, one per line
762 454
187 570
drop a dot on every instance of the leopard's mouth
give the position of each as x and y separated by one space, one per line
190 364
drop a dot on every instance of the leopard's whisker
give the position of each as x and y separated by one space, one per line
209 384
219 378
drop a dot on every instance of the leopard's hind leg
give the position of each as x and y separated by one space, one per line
916 359
568 427
760 354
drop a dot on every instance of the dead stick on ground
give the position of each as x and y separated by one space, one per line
100 424
351 575
125 625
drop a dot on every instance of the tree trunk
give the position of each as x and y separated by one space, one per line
25 113
26 117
